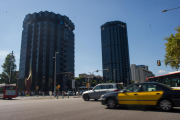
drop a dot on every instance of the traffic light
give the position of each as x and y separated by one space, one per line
159 63
107 69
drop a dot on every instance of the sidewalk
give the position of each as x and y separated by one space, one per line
47 97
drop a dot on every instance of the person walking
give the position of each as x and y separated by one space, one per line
50 93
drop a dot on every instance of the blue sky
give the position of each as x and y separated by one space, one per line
147 26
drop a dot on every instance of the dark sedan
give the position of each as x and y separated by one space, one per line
152 94
110 99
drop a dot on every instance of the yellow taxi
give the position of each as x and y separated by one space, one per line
150 94
153 94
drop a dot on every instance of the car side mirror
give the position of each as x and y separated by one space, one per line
124 91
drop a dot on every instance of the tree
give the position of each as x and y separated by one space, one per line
9 62
132 81
110 81
3 78
172 56
93 82
101 81
79 81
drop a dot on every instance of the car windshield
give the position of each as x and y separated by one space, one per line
10 87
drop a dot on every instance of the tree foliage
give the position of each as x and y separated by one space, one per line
79 80
110 81
94 82
132 81
9 62
101 81
172 56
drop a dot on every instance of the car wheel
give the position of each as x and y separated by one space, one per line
165 105
86 97
95 99
9 98
111 103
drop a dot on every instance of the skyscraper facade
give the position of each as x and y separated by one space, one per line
43 34
115 52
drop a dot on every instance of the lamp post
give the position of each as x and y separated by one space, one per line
55 75
170 9
10 67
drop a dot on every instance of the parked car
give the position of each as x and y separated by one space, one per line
70 93
80 92
100 89
152 94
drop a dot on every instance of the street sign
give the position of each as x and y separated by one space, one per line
87 85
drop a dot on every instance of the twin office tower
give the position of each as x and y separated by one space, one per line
45 33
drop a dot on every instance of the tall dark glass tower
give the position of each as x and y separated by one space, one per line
43 34
115 51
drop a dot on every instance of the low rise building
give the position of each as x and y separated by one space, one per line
139 73
92 77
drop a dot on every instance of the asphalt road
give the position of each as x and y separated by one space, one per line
33 108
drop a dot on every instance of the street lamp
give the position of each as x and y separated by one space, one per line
170 9
55 75
10 67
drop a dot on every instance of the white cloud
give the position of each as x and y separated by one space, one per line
3 54
161 71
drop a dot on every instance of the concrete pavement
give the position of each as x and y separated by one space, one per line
45 97
76 109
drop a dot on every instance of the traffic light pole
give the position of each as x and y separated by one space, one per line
102 70
55 75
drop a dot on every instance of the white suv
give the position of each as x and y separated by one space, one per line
100 89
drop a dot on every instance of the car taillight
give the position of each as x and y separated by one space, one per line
116 90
